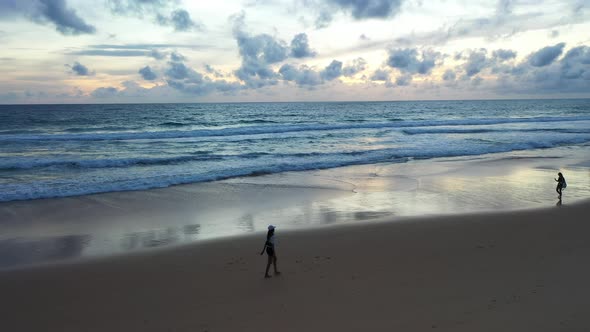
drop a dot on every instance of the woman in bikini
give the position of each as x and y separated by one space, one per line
269 246
561 184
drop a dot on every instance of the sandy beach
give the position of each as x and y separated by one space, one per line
454 244
515 271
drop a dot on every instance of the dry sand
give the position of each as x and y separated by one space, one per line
507 271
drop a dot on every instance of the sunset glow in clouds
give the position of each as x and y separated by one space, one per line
73 51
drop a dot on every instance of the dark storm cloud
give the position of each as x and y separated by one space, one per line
412 62
55 12
79 69
147 73
546 55
300 47
332 71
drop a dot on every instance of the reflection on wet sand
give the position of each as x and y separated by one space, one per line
116 223
160 237
18 252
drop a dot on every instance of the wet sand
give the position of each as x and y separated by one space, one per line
93 226
506 271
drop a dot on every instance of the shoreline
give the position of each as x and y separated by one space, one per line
511 270
120 223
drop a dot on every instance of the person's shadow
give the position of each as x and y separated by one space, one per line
558 202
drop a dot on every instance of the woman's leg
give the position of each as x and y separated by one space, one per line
266 275
274 260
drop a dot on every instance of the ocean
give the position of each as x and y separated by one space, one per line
68 150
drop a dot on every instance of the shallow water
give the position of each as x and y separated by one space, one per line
68 150
46 231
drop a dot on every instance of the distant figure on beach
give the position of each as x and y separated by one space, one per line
269 246
561 184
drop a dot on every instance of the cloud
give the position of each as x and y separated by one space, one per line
332 71
146 47
546 55
113 53
361 9
188 81
177 57
104 92
476 62
147 73
209 69
300 47
179 71
303 76
163 12
309 77
180 19
380 75
576 63
449 75
132 50
505 22
358 65
137 7
410 61
403 80
358 9
55 12
157 54
543 73
504 55
79 69
258 53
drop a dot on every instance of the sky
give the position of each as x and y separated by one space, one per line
128 51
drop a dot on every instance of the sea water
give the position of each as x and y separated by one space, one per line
67 150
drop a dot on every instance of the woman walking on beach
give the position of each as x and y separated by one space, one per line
269 246
561 184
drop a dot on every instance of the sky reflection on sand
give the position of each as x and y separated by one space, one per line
45 231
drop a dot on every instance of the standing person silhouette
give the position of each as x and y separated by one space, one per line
269 246
561 184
